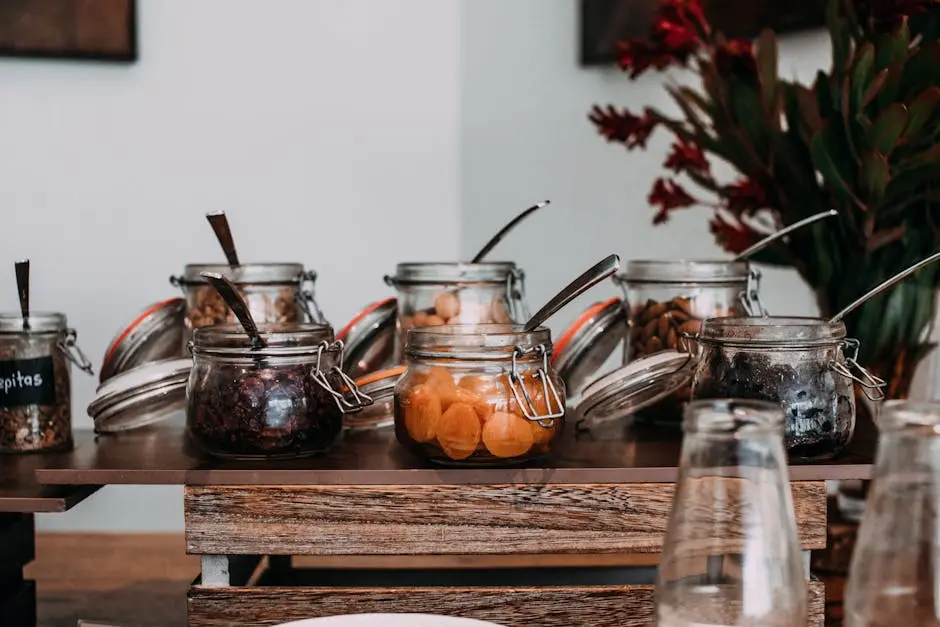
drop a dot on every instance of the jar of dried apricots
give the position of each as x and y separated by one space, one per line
667 301
479 394
434 294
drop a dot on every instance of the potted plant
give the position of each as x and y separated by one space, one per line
863 138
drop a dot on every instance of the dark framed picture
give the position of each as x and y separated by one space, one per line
605 22
103 30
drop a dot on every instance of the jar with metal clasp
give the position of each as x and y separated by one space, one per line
36 355
274 293
479 395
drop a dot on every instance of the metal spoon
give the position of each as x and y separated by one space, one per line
496 239
237 303
22 288
900 276
603 269
223 233
773 237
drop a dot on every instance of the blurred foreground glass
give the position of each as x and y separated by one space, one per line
893 579
731 556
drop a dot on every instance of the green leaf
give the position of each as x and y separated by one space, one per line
862 73
874 176
889 92
824 98
892 47
888 128
873 88
766 56
841 41
921 110
820 149
747 112
921 70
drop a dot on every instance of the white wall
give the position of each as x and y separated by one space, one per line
525 136
327 130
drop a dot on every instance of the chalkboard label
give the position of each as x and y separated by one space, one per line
27 382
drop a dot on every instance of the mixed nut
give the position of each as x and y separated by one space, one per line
453 307
472 419
205 307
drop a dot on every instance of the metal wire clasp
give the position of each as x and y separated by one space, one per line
549 392
872 386
70 347
750 298
359 398
306 299
515 295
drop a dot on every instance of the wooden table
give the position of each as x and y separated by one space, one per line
394 534
21 496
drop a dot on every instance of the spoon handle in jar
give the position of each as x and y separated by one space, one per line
22 289
236 303
496 239
603 269
897 278
223 233
773 237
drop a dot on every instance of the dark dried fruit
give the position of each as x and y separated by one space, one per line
261 410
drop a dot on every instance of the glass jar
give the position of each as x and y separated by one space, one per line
479 395
807 365
895 567
432 294
669 298
285 399
731 554
274 292
35 382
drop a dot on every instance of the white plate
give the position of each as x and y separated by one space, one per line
388 620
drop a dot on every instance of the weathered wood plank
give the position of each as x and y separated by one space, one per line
449 519
558 606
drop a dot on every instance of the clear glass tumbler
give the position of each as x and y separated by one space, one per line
894 578
731 556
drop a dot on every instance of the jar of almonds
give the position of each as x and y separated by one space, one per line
666 303
274 292
434 294
479 395
36 354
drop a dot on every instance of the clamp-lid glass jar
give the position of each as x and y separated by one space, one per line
479 394
36 354
666 299
807 365
283 399
274 292
434 294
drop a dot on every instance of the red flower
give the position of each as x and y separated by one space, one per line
623 126
675 36
669 196
734 238
686 156
744 197
736 57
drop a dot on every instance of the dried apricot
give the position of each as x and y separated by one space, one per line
507 435
440 377
542 436
458 431
463 395
422 408
446 305
420 319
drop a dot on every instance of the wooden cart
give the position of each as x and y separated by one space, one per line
20 498
368 528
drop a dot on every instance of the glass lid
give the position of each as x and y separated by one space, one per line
635 386
155 334
380 387
588 342
141 396
369 338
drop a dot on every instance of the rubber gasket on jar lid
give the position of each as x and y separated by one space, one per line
589 342
141 396
155 334
380 387
637 385
369 338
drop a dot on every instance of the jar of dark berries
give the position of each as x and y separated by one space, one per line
280 398
476 395
274 292
435 294
807 365
36 356
667 300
